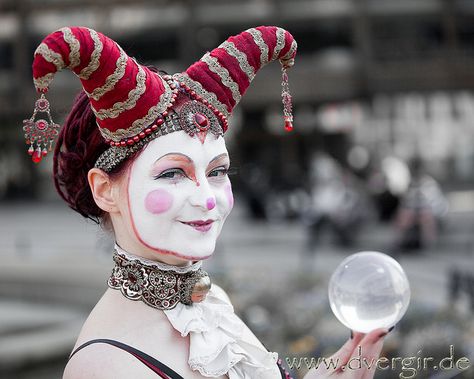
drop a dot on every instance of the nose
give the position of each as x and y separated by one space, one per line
203 196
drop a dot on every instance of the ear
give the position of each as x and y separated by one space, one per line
102 190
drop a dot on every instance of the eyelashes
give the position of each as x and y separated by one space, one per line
173 173
178 173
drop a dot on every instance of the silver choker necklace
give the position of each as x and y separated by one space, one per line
157 284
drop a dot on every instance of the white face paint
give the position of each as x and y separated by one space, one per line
179 194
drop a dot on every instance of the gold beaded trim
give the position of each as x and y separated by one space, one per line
114 155
241 57
280 43
130 103
113 78
138 125
43 82
198 88
50 56
214 65
74 47
258 39
93 65
288 56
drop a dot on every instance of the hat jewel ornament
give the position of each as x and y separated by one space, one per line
133 104
40 133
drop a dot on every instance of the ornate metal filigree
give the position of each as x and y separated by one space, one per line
156 287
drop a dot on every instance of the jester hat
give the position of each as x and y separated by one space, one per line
133 104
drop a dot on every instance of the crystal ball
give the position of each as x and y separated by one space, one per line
369 290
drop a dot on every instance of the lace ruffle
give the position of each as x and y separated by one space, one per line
216 341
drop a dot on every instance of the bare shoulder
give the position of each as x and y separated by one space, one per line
102 361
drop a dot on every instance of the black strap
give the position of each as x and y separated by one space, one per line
142 355
149 359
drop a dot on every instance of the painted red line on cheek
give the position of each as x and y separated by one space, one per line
158 201
154 248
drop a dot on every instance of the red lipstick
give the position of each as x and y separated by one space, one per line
200 225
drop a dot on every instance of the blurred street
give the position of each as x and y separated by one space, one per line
55 265
381 158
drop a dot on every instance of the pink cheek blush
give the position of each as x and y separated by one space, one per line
211 203
230 195
158 201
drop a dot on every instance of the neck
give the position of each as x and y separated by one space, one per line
153 262
158 255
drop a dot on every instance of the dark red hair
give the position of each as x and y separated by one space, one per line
77 149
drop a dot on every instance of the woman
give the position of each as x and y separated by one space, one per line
144 155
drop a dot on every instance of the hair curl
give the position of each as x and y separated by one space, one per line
78 147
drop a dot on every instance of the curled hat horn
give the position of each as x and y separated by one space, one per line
125 96
131 102
228 70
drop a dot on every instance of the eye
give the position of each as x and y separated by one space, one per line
174 173
220 171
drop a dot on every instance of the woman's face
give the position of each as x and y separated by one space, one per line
179 195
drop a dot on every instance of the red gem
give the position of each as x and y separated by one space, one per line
201 120
130 142
45 152
165 113
41 124
147 131
123 143
159 122
136 139
31 150
142 135
288 125
37 156
42 105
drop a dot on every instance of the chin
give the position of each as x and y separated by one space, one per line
191 255
198 252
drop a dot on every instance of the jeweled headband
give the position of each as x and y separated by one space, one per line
133 105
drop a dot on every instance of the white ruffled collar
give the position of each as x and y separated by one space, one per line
216 341
216 335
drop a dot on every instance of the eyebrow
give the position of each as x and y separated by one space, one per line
223 155
181 157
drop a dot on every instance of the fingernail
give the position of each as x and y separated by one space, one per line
391 329
383 334
352 334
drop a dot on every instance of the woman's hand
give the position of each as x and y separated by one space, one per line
356 359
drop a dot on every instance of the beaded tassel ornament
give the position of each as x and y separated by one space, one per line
40 134
286 98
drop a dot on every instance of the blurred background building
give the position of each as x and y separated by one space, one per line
384 108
